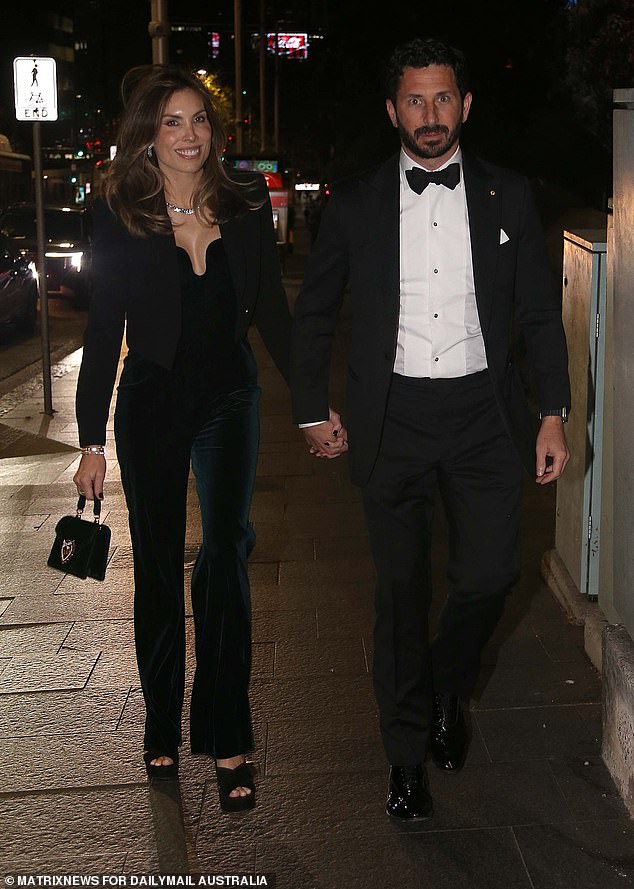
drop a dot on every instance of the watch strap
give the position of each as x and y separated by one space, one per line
556 412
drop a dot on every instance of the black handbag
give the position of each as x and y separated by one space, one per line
81 547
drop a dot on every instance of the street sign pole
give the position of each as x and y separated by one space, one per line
35 87
41 270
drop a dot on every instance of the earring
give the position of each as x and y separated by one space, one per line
150 151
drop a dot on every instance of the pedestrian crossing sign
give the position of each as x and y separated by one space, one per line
35 87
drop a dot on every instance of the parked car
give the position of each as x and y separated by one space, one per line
18 288
67 247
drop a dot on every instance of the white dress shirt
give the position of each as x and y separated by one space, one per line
439 332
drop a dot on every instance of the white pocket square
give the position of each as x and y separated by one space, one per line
503 236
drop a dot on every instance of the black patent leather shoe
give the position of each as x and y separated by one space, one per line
408 796
449 733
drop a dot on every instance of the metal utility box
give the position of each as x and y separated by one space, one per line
577 535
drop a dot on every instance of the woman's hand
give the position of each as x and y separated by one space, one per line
328 439
90 475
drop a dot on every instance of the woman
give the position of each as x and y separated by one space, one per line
185 257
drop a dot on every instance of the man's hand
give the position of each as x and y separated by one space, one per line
327 439
551 450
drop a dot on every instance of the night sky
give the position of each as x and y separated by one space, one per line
541 88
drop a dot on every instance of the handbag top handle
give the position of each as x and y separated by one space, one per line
96 507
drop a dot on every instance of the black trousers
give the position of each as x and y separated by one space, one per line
156 441
440 436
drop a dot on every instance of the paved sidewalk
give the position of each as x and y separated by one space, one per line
534 807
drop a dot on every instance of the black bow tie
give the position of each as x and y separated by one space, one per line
418 179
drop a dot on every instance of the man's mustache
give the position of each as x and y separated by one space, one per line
432 131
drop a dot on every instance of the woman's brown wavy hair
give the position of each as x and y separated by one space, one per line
133 185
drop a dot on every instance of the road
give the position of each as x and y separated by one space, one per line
21 357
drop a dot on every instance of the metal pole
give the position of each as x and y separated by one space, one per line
237 49
41 269
158 30
262 49
276 98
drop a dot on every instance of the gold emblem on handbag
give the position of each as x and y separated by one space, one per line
81 547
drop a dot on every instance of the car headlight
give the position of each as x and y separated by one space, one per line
75 259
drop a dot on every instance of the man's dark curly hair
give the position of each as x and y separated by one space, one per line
420 53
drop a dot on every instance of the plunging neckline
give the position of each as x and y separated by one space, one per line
186 252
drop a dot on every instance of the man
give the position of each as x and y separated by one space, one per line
444 267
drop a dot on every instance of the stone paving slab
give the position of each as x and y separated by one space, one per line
280 626
60 863
8 491
350 743
29 547
63 827
40 470
38 605
310 698
341 623
78 712
16 441
342 548
544 682
582 854
326 575
277 548
588 788
273 597
33 640
537 733
312 488
24 523
347 518
42 764
319 657
48 672
116 634
269 522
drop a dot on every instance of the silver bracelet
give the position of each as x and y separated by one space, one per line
98 450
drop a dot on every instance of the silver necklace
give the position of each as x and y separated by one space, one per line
188 211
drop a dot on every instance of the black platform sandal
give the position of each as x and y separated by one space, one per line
228 780
162 773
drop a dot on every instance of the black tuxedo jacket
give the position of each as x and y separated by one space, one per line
136 289
358 246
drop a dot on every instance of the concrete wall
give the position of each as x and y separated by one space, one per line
606 556
623 284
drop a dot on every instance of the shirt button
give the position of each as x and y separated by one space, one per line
435 314
435 271
435 359
435 224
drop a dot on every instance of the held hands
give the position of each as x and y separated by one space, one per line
551 450
90 475
328 439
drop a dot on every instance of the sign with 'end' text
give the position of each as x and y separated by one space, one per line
35 87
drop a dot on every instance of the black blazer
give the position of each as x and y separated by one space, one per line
136 289
358 245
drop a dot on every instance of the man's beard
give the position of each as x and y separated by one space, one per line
446 140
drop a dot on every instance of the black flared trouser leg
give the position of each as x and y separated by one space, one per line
224 457
154 461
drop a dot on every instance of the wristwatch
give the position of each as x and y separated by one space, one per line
562 412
